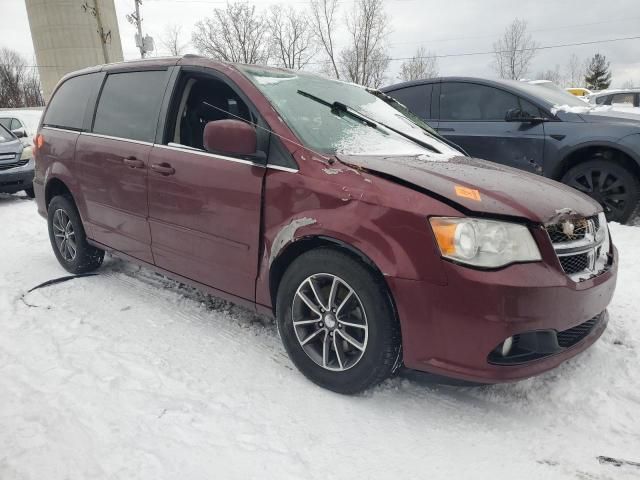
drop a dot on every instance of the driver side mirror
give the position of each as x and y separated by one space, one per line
517 115
231 137
19 132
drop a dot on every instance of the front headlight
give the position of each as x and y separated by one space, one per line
26 153
484 243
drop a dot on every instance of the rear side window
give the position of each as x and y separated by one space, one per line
625 99
473 102
129 105
69 103
417 99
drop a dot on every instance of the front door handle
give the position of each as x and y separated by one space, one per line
163 168
133 162
445 129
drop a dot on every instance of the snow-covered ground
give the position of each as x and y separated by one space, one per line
128 375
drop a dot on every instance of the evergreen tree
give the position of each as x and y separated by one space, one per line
598 76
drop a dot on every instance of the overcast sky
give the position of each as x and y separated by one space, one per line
446 27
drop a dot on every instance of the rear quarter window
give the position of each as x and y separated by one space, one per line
129 105
69 103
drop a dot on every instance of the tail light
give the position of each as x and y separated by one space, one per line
38 141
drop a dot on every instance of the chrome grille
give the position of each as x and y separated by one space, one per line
573 264
580 245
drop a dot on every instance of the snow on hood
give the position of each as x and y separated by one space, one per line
500 190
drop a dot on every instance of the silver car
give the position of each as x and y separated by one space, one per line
16 168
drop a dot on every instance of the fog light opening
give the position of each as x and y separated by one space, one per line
506 346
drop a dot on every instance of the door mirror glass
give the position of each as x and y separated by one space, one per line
519 115
19 132
231 137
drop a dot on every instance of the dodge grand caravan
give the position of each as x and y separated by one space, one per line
374 242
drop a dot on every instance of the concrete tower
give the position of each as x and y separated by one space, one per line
72 34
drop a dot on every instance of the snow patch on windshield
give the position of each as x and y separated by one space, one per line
368 141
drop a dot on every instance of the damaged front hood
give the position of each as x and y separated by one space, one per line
482 187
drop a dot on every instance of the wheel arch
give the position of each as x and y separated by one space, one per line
588 151
54 187
311 242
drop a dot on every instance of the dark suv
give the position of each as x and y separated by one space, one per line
373 242
538 129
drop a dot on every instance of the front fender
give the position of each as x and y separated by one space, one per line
386 222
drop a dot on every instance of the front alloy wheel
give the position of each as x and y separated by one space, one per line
337 322
330 322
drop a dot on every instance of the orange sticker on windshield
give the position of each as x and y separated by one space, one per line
470 193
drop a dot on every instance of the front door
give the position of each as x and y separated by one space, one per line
473 116
113 159
204 209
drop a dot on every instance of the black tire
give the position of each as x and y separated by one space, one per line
611 184
86 258
30 193
381 353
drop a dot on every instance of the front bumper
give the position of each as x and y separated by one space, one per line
451 330
16 179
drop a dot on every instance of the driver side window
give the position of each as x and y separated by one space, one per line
203 99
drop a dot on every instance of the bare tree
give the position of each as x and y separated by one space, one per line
171 40
235 33
365 60
628 84
576 71
19 83
554 76
423 64
292 37
514 51
323 13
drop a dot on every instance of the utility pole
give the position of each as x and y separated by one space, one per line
145 44
139 25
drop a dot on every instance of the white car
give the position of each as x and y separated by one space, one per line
627 101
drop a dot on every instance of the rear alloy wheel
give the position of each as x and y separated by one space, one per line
610 184
337 322
68 239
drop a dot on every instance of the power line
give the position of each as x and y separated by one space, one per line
462 54
494 35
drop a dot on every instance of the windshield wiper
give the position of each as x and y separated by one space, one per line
337 108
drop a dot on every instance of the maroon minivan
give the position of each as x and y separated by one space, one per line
374 242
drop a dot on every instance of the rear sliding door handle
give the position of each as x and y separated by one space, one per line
446 129
133 162
163 168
